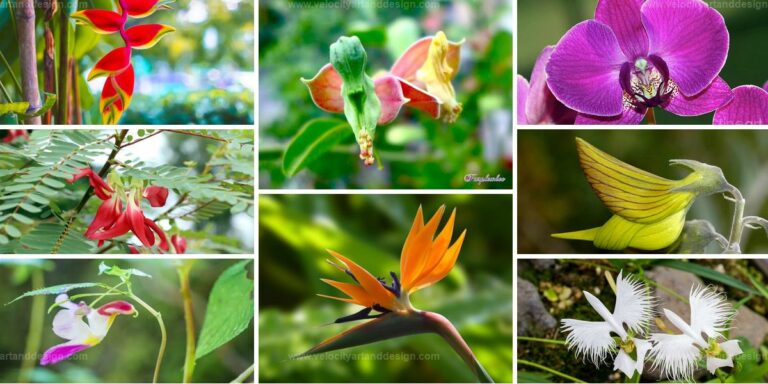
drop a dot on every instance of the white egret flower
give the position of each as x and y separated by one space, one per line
592 339
677 355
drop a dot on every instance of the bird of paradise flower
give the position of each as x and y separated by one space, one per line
425 260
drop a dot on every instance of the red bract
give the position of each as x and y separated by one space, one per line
179 243
116 65
14 133
156 195
100 187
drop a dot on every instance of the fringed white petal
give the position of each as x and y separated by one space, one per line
674 355
591 339
710 312
634 305
713 363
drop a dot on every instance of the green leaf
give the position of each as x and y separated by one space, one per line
22 219
3 239
53 183
315 138
12 231
124 274
15 108
707 273
56 290
230 309
18 187
50 100
30 208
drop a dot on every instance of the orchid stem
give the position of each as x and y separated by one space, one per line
189 319
246 374
35 334
550 370
541 340
651 116
163 335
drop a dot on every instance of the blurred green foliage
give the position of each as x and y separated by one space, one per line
214 107
544 22
554 196
295 230
417 151
128 352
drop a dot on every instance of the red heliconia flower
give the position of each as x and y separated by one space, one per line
100 187
179 243
14 133
156 195
116 65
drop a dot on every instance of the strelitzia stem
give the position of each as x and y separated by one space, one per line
444 328
163 335
35 332
189 319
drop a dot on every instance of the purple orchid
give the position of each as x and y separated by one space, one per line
748 107
639 54
535 102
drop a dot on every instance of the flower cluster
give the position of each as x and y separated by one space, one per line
636 55
112 221
116 65
69 324
15 133
675 355
420 78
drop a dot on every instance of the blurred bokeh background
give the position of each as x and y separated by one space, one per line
544 22
128 352
554 196
201 74
295 231
417 151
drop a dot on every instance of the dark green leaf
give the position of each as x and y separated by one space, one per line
315 138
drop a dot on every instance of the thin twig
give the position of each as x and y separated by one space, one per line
174 131
246 374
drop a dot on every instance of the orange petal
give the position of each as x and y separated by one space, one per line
113 62
437 250
101 21
346 300
147 35
414 57
444 266
325 89
373 288
354 291
405 262
418 250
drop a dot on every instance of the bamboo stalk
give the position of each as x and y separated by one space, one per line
25 23
62 113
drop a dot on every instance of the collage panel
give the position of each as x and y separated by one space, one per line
139 191
642 191
632 62
338 282
642 320
139 62
126 320
385 94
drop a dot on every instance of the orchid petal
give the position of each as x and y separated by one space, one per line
119 307
674 355
691 37
390 95
713 363
624 363
522 97
710 312
623 16
591 339
61 352
629 116
603 311
414 57
421 99
583 72
436 74
642 347
714 96
112 63
357 293
634 306
325 89
541 106
146 35
100 21
748 107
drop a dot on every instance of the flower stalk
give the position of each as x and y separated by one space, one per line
163 334
183 271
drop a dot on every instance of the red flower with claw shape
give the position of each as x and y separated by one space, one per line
133 220
156 195
116 65
100 187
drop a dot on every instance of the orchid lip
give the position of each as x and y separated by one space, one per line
646 82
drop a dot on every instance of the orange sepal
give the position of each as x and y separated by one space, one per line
101 21
112 63
146 35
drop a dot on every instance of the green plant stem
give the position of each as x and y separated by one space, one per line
189 319
541 340
8 66
35 333
163 335
443 327
5 92
174 131
737 225
246 374
550 370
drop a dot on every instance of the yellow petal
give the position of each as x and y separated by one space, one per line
436 74
373 288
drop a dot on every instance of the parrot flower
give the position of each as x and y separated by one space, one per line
14 133
100 188
116 65
648 210
535 102
677 355
748 107
592 339
69 324
636 55
425 260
